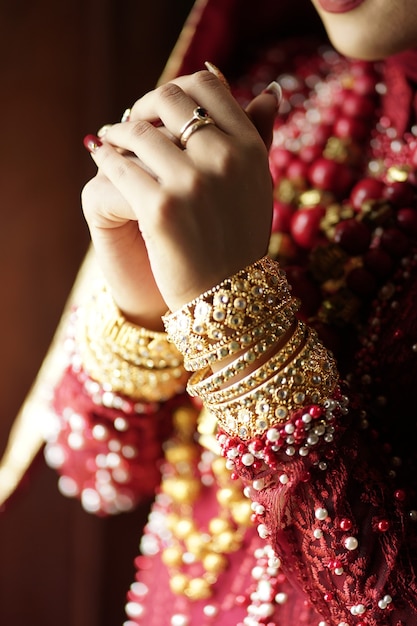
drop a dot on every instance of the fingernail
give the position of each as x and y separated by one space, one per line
215 70
126 116
103 130
274 89
92 143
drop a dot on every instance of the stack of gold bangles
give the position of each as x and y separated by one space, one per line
125 358
273 363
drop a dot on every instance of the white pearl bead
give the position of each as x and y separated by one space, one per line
210 610
100 432
351 543
257 572
281 598
283 479
259 509
134 609
323 623
266 610
272 434
259 484
387 599
321 513
179 620
263 531
382 604
248 459
317 533
339 571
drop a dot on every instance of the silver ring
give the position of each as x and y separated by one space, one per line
199 119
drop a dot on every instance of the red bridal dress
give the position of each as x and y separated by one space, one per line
313 522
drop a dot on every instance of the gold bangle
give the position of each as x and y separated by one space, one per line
107 327
124 358
258 376
216 319
278 323
309 378
139 383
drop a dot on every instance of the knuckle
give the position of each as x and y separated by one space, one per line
203 78
141 128
170 91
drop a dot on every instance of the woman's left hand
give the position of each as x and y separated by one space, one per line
204 212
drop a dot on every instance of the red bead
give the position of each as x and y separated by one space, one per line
383 526
352 236
308 154
366 189
281 219
304 288
345 524
328 597
316 412
394 242
361 282
280 157
378 262
399 193
400 495
305 477
330 175
355 105
407 221
350 128
305 226
297 171
365 84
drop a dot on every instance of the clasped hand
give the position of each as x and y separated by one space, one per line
167 223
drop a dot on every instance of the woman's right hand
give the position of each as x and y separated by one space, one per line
118 242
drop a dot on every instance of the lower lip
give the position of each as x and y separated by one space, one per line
339 6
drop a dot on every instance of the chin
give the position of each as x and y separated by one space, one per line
366 48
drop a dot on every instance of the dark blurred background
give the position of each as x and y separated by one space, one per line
66 68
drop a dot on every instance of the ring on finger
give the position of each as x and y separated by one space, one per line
199 119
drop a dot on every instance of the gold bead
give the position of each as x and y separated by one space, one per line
218 525
185 420
171 521
180 489
214 563
178 583
180 453
226 542
184 528
198 589
196 544
172 556
242 513
219 467
228 495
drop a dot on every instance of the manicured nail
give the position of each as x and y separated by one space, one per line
126 116
103 130
275 90
92 143
215 70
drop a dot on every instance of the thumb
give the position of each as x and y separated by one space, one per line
262 111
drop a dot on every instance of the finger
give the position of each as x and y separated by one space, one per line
135 184
263 109
203 89
158 155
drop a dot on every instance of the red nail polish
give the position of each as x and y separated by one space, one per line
92 143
